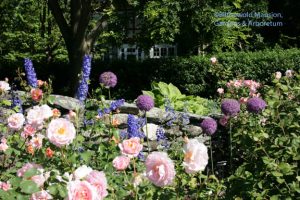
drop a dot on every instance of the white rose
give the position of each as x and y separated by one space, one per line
35 117
152 128
16 121
195 156
4 86
213 60
46 111
278 75
289 73
82 171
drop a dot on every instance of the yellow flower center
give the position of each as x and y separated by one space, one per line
188 156
61 131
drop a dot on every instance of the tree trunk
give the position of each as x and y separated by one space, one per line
76 53
78 40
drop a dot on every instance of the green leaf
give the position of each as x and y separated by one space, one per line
277 174
62 191
30 173
51 100
274 197
53 189
15 182
29 187
6 102
86 156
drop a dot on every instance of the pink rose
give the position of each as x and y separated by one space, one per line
98 180
36 94
3 145
131 147
220 91
237 83
28 131
121 162
42 195
61 132
81 190
243 100
26 167
37 141
160 169
195 156
38 179
5 186
224 120
16 121
82 171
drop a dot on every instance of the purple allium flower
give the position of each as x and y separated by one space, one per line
256 105
230 107
30 73
108 79
144 102
83 85
209 126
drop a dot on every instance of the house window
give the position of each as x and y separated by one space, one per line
163 52
156 52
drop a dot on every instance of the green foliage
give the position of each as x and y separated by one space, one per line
161 92
267 146
196 75
28 31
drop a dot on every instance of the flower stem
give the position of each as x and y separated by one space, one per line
230 142
211 156
147 133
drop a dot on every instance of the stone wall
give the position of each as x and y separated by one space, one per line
156 115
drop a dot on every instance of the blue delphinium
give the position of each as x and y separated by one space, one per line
134 127
83 85
16 102
30 73
161 137
114 105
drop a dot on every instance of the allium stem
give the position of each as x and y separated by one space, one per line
147 133
109 97
211 156
230 143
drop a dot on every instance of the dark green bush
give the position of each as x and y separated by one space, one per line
196 75
192 75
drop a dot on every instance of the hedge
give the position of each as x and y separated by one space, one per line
196 75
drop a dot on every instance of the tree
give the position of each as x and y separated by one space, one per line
80 23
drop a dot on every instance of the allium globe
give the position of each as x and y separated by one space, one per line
230 107
256 105
209 126
108 79
144 102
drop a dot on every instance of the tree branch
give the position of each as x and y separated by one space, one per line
95 32
60 20
84 19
